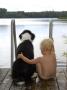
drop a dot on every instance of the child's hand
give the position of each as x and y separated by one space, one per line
20 56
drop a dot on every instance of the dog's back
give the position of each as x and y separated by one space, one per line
26 48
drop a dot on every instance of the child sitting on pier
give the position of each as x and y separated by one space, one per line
46 64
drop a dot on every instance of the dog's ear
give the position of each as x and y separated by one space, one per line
32 36
20 36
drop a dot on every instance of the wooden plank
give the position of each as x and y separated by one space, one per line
52 84
61 80
16 87
39 85
65 72
46 85
7 82
22 87
3 73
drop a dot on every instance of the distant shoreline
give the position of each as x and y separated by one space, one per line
21 14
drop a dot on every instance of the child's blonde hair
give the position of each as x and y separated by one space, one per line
47 44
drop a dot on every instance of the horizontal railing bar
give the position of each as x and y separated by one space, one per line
61 62
61 66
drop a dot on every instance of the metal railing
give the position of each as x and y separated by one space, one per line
13 41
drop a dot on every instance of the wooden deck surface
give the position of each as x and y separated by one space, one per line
60 83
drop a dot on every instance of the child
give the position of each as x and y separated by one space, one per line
46 64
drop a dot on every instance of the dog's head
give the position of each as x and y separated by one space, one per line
27 35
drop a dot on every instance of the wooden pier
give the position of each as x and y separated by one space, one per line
6 83
60 83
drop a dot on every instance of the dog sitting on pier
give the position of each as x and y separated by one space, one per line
22 71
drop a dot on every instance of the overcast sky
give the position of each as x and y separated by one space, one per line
34 5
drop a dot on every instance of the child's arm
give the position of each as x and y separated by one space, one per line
33 61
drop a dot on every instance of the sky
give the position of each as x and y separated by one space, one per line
34 5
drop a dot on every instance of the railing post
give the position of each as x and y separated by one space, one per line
51 29
13 41
14 34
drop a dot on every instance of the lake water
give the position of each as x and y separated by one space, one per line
40 28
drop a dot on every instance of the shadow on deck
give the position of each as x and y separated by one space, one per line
60 83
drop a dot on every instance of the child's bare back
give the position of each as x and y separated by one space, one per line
47 66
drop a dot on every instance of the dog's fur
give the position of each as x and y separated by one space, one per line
22 71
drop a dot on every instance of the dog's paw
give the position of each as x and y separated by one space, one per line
34 75
20 83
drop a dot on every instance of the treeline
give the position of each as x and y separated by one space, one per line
21 14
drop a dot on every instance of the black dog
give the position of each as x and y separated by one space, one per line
22 71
